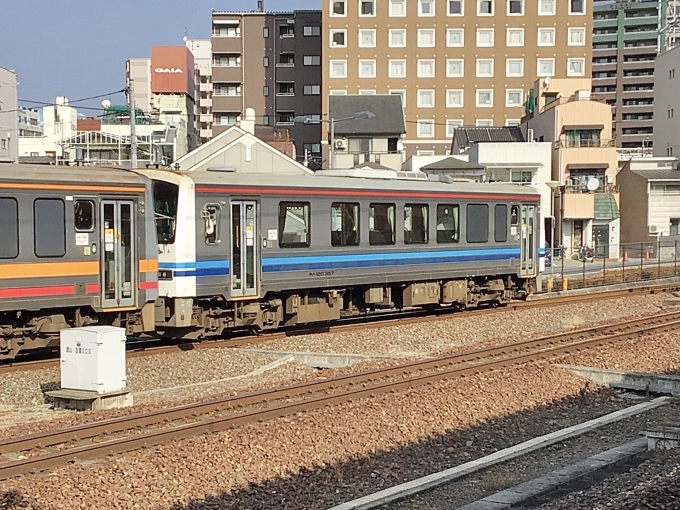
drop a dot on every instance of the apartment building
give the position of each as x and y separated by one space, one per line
453 62
626 39
666 102
201 49
29 122
9 151
270 62
138 70
584 162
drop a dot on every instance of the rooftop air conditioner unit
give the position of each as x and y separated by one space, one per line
654 229
341 144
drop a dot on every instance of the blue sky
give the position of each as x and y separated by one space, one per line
78 48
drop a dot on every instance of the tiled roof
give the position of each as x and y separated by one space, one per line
389 115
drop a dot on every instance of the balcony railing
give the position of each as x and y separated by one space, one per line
285 64
581 188
285 123
567 143
285 94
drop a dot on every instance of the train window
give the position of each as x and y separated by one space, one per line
49 227
477 223
9 228
415 224
514 215
294 224
448 223
165 198
211 217
83 215
381 224
500 227
345 224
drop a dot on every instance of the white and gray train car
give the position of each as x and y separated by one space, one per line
264 251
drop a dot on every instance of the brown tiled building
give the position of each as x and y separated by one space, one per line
454 62
270 62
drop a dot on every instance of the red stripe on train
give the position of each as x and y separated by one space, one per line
92 288
148 285
55 290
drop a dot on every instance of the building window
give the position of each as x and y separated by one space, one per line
426 98
454 98
576 67
515 7
425 153
674 226
226 119
345 224
485 37
265 91
311 60
285 89
515 37
265 120
227 61
425 7
425 68
448 225
513 97
3 143
577 7
397 69
416 224
500 223
546 37
454 68
485 67
397 38
426 37
451 125
426 128
477 223
227 90
286 31
311 31
484 98
338 69
400 93
311 90
338 38
366 38
455 37
366 7
513 122
338 92
366 68
367 92
484 123
521 176
9 228
397 8
265 61
49 227
312 148
577 37
546 7
485 7
514 67
232 31
338 8
455 8
546 67
265 32
294 226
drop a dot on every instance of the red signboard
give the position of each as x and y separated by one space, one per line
172 70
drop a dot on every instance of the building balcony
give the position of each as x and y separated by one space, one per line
226 44
227 74
227 103
581 206
566 143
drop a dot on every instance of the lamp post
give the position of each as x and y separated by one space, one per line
552 185
306 119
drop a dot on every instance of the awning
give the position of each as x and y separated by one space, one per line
514 165
226 22
587 166
580 128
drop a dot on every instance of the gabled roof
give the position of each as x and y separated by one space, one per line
452 164
389 115
467 136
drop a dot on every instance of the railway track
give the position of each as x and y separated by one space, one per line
141 349
144 430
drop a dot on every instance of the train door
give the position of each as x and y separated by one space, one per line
528 240
118 260
245 257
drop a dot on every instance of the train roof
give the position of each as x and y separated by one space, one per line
318 180
69 174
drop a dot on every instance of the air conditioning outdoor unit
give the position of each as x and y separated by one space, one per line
341 144
654 229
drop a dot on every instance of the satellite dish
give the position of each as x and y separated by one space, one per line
400 146
106 104
185 38
593 183
547 81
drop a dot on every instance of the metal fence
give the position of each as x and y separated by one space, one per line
613 264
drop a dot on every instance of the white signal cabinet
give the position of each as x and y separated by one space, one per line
93 359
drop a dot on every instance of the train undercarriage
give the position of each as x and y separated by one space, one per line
195 319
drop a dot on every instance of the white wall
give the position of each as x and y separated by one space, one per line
59 122
666 97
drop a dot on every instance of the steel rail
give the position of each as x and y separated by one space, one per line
409 375
376 321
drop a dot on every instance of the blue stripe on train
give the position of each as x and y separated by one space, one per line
200 268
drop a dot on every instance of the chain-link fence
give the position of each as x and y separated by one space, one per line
581 267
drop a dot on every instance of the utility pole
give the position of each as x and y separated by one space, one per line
133 126
331 164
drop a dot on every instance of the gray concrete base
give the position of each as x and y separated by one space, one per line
663 282
89 400
428 482
663 438
636 381
520 493
323 359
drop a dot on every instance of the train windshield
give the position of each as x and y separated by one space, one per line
165 196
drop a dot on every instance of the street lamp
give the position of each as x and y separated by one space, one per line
306 119
553 185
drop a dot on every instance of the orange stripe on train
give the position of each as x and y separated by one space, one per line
148 266
70 187
48 269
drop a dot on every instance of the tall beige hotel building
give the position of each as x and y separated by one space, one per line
453 62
